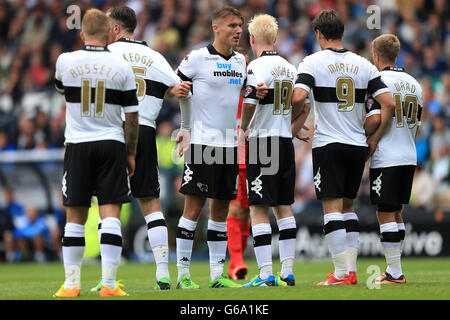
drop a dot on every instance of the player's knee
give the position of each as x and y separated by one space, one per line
388 207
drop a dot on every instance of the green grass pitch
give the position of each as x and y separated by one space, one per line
427 279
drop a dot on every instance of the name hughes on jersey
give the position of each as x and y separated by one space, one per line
228 73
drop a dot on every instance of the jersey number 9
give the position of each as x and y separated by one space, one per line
345 92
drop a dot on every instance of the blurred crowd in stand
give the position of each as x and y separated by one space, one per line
33 33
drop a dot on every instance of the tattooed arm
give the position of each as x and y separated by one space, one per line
131 138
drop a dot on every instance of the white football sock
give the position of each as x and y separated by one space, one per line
336 240
73 246
217 244
287 241
110 250
352 235
262 243
185 240
158 239
402 230
390 241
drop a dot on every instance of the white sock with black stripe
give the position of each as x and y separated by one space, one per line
390 241
262 243
158 239
288 232
217 244
336 240
110 250
73 245
352 235
185 240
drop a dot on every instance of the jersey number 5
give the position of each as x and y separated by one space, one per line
86 97
282 97
141 85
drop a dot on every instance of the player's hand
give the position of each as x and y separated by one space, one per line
242 135
302 137
261 90
372 142
131 165
181 90
183 141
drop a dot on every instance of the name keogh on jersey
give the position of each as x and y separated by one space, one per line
136 57
87 68
228 72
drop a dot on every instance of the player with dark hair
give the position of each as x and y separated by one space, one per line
338 81
211 170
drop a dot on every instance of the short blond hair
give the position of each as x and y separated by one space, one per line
387 46
264 28
95 24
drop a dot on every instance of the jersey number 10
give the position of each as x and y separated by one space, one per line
409 107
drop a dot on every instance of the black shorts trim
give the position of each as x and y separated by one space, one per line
338 169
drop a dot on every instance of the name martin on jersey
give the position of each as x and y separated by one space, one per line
235 77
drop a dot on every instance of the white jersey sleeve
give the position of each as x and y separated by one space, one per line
252 82
188 68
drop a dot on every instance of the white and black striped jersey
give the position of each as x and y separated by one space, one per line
397 147
217 81
153 75
273 114
338 82
97 86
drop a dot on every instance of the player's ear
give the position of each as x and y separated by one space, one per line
215 27
82 37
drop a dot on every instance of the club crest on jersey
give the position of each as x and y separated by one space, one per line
248 91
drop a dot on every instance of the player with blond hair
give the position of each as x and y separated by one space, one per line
393 164
267 122
339 81
100 153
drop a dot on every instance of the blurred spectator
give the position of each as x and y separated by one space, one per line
168 170
6 235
